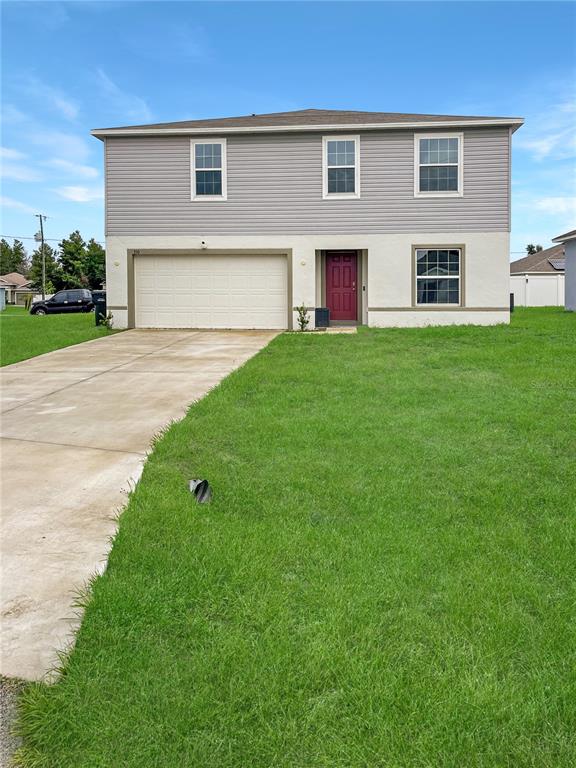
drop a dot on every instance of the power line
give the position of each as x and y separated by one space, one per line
46 239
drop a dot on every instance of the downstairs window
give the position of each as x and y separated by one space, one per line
438 275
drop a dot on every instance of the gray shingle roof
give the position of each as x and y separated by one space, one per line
543 261
309 118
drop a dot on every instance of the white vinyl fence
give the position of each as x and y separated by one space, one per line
538 290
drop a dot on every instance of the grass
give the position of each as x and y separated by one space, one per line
23 335
385 577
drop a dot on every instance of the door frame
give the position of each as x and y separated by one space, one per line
359 282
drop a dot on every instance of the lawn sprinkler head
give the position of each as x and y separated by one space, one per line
201 490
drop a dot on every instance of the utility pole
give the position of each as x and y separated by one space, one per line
42 219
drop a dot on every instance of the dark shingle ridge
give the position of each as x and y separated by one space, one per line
310 117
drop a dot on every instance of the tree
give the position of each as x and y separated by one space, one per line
71 257
5 257
53 271
13 258
21 261
94 265
530 249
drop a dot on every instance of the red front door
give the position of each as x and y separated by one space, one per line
341 285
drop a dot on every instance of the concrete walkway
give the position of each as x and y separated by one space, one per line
76 427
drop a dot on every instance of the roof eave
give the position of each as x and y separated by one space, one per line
564 238
513 123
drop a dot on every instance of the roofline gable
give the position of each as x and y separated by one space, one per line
371 124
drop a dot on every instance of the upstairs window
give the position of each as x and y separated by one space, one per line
438 165
341 166
438 274
209 170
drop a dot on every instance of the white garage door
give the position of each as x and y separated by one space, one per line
210 291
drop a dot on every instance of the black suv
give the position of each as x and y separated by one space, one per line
73 300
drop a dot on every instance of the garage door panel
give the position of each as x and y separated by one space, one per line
181 302
211 291
148 299
147 282
147 318
199 282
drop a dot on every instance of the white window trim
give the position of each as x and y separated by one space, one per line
208 198
340 195
417 277
460 191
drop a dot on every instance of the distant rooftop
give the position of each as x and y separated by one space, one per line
14 278
309 119
548 260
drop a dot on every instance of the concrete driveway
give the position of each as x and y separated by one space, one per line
76 427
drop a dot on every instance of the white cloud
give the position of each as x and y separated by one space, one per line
126 106
19 172
9 202
557 205
61 144
561 144
68 108
11 168
48 95
12 115
80 194
73 169
550 134
11 154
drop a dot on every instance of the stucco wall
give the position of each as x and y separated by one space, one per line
386 276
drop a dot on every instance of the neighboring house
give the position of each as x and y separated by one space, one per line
537 280
569 241
384 218
17 287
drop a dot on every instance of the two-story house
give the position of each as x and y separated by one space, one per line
387 219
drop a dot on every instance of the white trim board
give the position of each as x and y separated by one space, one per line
143 131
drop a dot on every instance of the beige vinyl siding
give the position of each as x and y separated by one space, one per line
275 187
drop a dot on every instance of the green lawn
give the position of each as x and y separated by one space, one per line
385 578
23 335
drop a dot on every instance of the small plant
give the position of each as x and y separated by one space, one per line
108 321
303 319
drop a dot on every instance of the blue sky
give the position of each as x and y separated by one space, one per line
70 67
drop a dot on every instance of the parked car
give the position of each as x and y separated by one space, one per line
73 300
